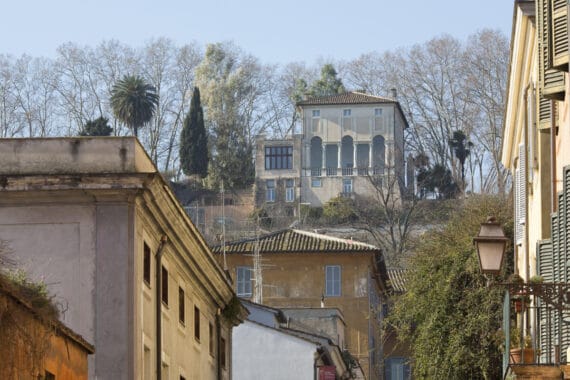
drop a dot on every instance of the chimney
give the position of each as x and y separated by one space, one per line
394 93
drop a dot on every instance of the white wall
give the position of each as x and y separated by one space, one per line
261 352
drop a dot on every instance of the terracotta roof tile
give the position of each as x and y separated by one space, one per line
351 97
397 279
295 241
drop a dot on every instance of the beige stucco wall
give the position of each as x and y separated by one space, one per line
298 280
82 231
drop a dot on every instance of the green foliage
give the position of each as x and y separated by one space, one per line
36 293
311 214
261 216
461 149
133 101
97 127
225 82
437 179
448 314
328 84
340 210
193 140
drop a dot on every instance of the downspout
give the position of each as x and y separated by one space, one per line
218 349
159 252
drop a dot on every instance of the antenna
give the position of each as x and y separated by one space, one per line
258 288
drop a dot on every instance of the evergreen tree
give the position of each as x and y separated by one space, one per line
461 149
97 127
328 84
193 140
134 102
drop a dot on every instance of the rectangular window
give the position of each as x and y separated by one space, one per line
196 323
377 112
243 282
332 280
223 352
211 329
346 113
396 369
316 182
270 190
316 113
164 283
347 186
289 190
278 157
181 306
146 264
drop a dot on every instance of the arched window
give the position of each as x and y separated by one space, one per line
378 154
347 153
316 156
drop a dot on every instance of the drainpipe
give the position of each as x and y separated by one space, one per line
163 240
218 345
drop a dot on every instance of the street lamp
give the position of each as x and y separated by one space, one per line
491 243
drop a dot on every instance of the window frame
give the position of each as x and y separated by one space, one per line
164 286
243 281
335 277
211 339
196 323
378 112
278 157
270 190
316 182
181 306
289 190
315 114
347 112
147 264
347 184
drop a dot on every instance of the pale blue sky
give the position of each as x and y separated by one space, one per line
275 31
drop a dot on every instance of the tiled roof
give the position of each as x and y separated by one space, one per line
296 241
397 278
346 98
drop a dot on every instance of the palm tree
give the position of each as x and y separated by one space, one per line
133 101
461 148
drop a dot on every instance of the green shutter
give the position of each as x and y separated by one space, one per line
551 81
545 269
559 29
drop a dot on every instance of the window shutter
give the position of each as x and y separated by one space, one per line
531 134
559 28
551 81
520 194
518 238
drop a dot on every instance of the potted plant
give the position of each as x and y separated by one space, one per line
516 353
520 302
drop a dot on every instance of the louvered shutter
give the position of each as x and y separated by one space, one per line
559 29
545 315
531 133
551 82
518 230
520 196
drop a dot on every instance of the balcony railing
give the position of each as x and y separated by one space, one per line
344 172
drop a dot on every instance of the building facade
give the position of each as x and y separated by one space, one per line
35 345
94 220
345 139
535 149
294 269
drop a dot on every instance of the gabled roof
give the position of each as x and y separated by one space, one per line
351 97
296 241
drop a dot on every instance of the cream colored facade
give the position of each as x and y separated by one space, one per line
536 138
346 139
93 218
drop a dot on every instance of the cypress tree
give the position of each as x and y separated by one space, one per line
193 140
